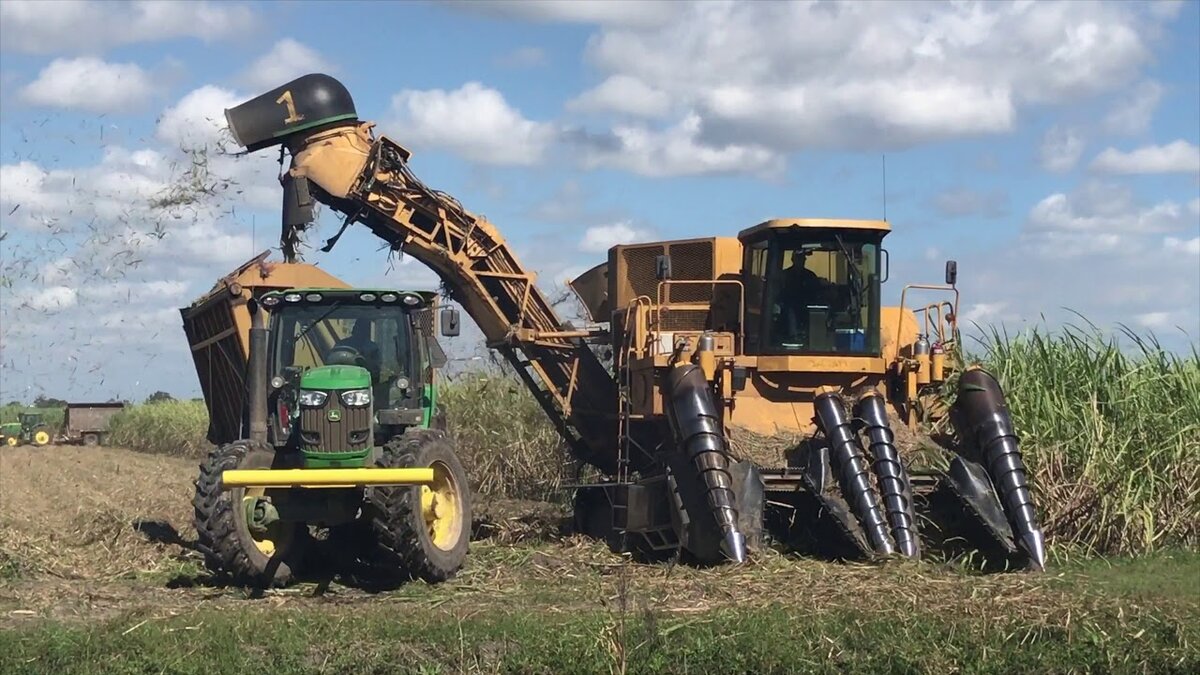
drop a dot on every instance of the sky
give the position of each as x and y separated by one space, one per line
1050 148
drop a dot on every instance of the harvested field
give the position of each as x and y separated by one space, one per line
97 575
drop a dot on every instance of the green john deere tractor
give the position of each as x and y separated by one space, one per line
30 428
344 443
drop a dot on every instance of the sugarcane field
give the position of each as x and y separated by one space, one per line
599 336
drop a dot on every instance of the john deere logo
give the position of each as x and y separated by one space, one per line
335 415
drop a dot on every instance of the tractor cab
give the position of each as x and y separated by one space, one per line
347 365
29 428
812 287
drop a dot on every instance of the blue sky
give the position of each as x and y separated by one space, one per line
1051 148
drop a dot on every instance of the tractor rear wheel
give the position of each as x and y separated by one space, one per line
266 557
41 437
422 531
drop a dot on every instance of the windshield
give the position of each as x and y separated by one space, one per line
375 338
819 291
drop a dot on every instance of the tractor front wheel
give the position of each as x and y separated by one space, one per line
265 556
422 531
12 441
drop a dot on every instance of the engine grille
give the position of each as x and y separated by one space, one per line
351 432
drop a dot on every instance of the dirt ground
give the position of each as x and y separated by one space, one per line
90 532
101 533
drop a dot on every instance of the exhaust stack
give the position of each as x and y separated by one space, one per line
851 463
988 431
256 377
893 479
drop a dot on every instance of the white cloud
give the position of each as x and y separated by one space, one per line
678 151
286 61
1095 251
1061 149
1176 245
1177 157
985 312
523 57
88 83
1166 320
198 118
607 12
198 121
600 238
623 94
1133 111
90 25
53 298
473 121
874 75
1098 209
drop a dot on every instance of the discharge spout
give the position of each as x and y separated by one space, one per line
988 431
894 484
851 465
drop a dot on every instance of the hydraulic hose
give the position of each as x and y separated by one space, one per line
988 429
696 425
851 464
894 485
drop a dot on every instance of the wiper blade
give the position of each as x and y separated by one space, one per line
318 320
855 280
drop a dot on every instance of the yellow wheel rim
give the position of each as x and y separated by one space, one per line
278 536
41 438
442 508
12 441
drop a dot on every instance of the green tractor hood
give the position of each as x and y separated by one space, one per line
336 378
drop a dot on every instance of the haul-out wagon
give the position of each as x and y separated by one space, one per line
87 423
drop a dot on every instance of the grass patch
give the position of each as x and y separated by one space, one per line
53 417
1074 622
1110 429
175 428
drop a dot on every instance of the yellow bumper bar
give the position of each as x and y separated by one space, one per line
323 478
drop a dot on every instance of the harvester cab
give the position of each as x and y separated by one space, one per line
336 428
750 375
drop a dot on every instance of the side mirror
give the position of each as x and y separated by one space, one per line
951 272
662 267
449 322
887 265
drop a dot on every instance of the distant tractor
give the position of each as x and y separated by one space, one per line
10 433
30 428
87 423
328 425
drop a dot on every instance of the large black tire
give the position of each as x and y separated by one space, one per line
402 538
91 440
222 535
